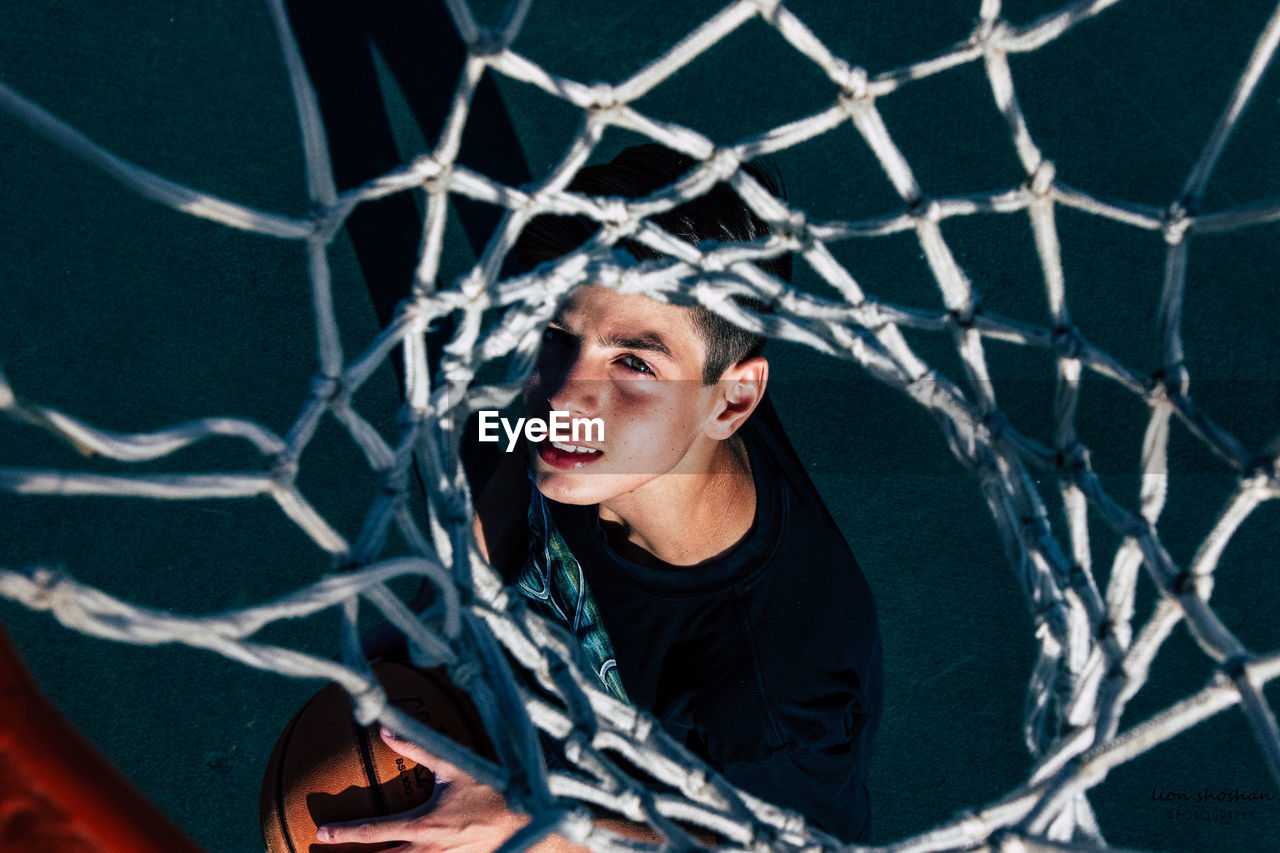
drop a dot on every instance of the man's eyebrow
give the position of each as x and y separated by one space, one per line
645 342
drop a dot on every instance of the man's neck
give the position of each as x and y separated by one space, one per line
686 519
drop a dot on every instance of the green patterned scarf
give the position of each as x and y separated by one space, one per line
553 579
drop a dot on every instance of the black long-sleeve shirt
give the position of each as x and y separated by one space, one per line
766 662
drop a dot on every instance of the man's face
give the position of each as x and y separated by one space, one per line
636 364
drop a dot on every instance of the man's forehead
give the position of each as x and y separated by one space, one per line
631 320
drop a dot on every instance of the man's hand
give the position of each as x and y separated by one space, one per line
462 815
465 816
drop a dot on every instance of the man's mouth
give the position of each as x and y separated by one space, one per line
567 456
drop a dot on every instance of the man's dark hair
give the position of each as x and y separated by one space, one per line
719 215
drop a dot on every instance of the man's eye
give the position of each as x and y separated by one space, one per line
630 362
556 336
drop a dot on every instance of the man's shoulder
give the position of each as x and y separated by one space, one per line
810 601
808 540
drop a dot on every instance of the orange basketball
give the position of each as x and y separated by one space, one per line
327 768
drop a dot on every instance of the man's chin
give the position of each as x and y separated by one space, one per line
573 489
581 488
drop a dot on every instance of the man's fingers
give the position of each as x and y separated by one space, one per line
376 830
443 770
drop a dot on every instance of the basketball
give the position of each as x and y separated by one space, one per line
327 768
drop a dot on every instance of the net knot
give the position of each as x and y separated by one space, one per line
852 80
1117 671
1135 527
763 838
326 219
971 826
995 422
616 276
616 220
1008 841
574 745
1041 180
631 804
488 42
601 97
964 318
990 34
710 262
1051 618
641 726
925 209
1237 668
473 288
369 704
1067 341
1073 458
795 231
1176 223
427 170
1077 577
1263 474
768 8
1188 582
576 826
54 590
723 163
466 674
1033 526
328 388
395 479
284 468
1173 380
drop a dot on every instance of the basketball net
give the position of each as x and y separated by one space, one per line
1092 657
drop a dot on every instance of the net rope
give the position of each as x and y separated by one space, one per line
1092 658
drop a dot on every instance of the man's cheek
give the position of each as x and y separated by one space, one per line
643 448
644 410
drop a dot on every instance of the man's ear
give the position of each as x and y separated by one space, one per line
738 392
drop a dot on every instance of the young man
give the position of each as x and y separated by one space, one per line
686 548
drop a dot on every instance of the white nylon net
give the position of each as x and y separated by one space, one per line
1092 657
